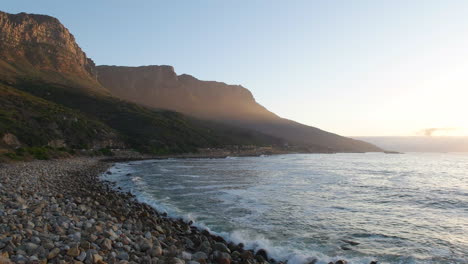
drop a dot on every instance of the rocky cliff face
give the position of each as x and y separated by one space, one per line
40 45
161 87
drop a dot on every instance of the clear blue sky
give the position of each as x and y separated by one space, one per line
357 68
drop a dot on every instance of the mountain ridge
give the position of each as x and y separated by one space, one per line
160 87
40 47
38 55
176 91
46 77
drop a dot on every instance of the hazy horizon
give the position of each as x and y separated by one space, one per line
439 144
355 68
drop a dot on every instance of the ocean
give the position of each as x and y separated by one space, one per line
393 208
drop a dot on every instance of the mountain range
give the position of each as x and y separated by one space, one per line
53 94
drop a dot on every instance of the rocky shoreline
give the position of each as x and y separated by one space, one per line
60 212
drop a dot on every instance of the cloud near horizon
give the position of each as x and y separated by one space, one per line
430 131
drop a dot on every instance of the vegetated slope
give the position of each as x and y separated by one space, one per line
29 121
146 129
160 86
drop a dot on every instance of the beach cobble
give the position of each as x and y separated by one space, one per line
60 212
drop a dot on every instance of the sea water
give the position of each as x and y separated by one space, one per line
408 208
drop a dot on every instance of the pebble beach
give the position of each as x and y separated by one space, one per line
60 212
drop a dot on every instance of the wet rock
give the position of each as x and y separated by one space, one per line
176 261
246 255
235 255
145 245
73 252
186 255
85 245
221 247
30 248
159 229
107 244
221 257
148 235
199 256
263 253
82 256
97 258
35 240
205 247
41 252
123 256
4 260
75 236
156 251
53 253
223 261
111 234
19 258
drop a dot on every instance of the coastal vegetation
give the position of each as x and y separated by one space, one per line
40 114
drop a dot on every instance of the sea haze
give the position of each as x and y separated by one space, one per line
420 143
410 208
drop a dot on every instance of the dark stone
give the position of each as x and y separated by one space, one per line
262 252
219 239
352 243
259 258
246 255
344 247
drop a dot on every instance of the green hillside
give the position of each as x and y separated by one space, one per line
144 129
31 124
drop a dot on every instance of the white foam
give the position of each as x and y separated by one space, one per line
136 179
249 239
188 175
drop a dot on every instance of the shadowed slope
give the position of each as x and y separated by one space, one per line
160 86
